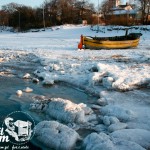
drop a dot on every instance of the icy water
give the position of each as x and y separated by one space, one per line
9 86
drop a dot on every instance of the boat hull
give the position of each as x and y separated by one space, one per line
90 43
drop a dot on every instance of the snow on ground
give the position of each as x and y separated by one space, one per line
121 79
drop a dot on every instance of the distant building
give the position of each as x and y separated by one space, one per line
122 14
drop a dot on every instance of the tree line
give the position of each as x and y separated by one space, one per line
58 12
52 12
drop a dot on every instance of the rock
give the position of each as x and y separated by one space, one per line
48 82
55 135
35 80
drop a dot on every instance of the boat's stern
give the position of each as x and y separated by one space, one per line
80 45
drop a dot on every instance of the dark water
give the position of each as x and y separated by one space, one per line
9 86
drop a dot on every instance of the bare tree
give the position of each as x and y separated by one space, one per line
145 8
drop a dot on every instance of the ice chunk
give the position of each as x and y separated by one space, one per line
117 111
95 106
117 126
27 76
87 110
28 90
107 82
97 77
65 110
120 85
102 141
55 135
108 120
100 128
91 117
139 136
102 101
96 141
19 92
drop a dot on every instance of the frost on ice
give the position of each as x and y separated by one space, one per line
121 77
118 111
140 136
103 141
56 135
63 110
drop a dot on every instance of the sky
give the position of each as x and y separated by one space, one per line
35 3
32 3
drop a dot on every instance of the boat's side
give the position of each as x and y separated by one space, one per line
106 44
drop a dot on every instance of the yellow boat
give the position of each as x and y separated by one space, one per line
117 42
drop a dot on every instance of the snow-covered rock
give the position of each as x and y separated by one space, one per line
121 113
91 117
48 81
117 126
87 110
139 136
100 128
108 120
35 80
102 141
38 107
107 82
97 78
120 85
102 102
66 111
63 110
95 106
55 135
96 141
